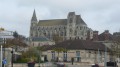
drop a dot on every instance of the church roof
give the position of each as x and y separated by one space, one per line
39 39
79 20
52 22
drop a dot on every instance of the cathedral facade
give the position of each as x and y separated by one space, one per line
73 27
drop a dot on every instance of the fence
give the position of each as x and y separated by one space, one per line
36 65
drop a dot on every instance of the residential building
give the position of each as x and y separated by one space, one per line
81 50
4 34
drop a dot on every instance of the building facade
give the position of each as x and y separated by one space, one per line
82 51
4 34
71 28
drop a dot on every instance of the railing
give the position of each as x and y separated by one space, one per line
36 65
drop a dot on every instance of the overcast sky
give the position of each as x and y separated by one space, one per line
15 15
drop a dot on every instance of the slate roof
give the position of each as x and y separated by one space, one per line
79 45
79 20
39 39
52 22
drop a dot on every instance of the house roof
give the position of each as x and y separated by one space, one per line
102 36
78 45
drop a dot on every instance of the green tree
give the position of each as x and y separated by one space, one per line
40 49
58 50
15 34
31 53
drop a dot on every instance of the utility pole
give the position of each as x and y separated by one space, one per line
39 57
105 58
39 54
4 41
1 56
12 58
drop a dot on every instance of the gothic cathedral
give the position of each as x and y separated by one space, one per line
71 28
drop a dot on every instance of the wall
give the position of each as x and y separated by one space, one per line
85 55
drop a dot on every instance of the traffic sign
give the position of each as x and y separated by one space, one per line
4 61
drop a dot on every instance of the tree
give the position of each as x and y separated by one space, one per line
58 50
115 48
15 42
40 49
31 53
2 29
15 34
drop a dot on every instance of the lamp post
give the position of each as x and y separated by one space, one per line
12 57
105 58
1 56
39 58
39 55
4 41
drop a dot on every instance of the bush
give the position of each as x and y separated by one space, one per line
22 60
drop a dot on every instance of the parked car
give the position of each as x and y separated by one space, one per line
60 64
112 64
95 65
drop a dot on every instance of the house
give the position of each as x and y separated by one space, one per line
80 50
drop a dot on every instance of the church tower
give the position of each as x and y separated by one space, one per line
71 22
33 28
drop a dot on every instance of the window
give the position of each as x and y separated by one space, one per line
33 44
77 53
71 30
78 56
89 54
65 56
53 55
70 20
62 33
80 28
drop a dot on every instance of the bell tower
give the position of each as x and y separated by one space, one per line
71 21
33 25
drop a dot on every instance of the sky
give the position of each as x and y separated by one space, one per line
100 15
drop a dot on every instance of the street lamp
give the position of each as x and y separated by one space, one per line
1 55
39 55
12 57
4 42
105 58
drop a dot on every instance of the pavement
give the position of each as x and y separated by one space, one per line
48 64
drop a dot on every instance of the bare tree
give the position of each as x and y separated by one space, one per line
115 48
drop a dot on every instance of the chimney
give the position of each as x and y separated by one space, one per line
95 35
106 34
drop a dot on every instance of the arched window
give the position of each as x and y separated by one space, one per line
71 20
